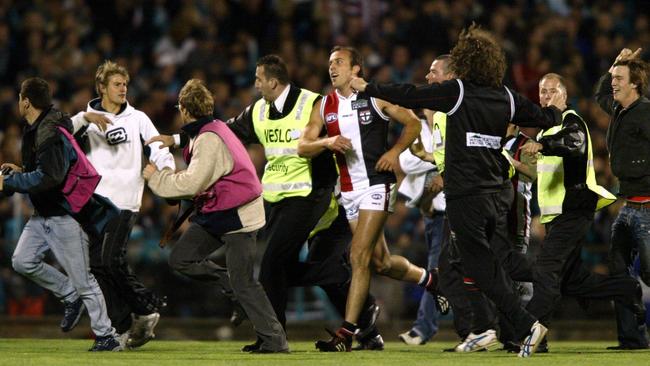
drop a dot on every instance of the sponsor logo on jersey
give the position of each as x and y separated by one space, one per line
279 135
282 168
365 117
358 104
376 196
474 139
331 118
116 136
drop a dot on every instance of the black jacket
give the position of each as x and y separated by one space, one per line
477 120
323 167
571 144
45 163
628 140
47 156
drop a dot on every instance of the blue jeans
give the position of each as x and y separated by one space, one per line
630 237
69 244
426 324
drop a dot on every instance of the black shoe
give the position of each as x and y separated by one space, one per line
375 343
154 303
264 350
442 304
338 343
71 314
108 343
542 348
253 346
161 302
368 320
627 347
511 347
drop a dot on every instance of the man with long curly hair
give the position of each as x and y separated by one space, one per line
479 108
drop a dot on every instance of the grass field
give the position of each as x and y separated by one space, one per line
46 352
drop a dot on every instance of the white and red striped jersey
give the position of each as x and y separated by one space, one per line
358 118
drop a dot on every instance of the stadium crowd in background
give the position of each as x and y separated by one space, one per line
163 43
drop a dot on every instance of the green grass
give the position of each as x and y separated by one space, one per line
46 352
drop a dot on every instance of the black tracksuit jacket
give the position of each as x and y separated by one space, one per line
478 117
628 140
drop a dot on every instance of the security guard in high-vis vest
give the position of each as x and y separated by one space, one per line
299 192
568 196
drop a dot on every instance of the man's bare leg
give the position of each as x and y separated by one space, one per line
365 232
368 244
368 248
394 266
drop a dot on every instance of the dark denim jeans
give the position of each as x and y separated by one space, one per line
630 237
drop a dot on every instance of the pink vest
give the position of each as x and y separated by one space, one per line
237 188
82 178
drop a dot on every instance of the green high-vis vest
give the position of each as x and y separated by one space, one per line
550 179
286 174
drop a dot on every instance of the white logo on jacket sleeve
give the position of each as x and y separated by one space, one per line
480 140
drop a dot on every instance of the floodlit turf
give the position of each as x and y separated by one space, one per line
47 352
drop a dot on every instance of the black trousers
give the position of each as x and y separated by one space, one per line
479 225
190 256
287 229
123 291
559 269
450 283
289 225
468 302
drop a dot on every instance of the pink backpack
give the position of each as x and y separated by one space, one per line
82 178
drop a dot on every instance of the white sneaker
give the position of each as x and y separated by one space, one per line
412 338
123 339
534 338
142 329
478 342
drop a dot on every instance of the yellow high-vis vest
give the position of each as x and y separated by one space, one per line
328 217
286 174
511 163
439 130
550 179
